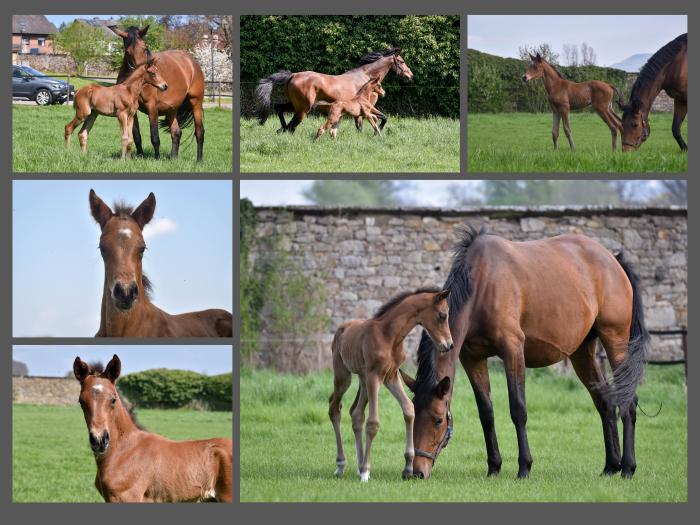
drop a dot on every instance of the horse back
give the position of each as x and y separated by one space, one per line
184 77
206 323
306 87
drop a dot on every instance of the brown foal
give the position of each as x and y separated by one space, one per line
374 350
127 310
120 101
361 106
137 466
565 95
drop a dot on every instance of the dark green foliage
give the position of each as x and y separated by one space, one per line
334 44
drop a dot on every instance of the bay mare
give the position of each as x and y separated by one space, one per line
134 465
666 70
304 89
534 304
565 95
374 350
127 310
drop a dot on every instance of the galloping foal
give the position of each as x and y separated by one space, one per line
373 349
361 106
137 466
120 101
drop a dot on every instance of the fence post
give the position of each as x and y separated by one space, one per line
218 84
68 89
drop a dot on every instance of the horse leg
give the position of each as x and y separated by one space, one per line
357 414
124 122
198 115
383 118
341 382
296 120
514 363
358 124
611 125
85 131
372 383
70 127
555 128
395 386
586 367
281 109
326 125
567 128
680 110
136 133
175 134
155 135
478 373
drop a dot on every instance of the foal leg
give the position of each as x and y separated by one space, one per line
555 128
395 386
70 127
680 110
514 363
372 382
611 125
341 382
357 414
123 124
567 129
85 131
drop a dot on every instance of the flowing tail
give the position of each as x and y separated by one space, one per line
185 116
263 93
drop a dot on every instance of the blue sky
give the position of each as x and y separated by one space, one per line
57 360
59 19
57 269
613 37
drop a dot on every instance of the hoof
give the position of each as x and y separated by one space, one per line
611 470
493 472
364 476
339 469
523 474
281 130
627 473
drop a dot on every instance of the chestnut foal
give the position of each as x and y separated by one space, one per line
374 350
137 466
120 100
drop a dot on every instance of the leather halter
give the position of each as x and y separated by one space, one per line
443 442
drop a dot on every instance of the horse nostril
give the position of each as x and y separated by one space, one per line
133 291
452 345
420 475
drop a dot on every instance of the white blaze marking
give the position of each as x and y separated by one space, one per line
125 232
98 388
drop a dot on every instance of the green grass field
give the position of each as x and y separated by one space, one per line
37 144
522 142
51 458
288 449
406 145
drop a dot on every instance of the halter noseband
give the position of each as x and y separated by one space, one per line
443 442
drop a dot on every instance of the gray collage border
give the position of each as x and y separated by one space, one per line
303 512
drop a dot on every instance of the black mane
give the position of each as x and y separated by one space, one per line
400 297
376 55
459 284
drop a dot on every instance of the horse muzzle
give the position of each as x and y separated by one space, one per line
163 86
99 444
124 296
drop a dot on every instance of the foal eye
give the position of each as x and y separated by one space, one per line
114 401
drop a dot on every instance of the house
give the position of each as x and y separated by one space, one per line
114 43
31 35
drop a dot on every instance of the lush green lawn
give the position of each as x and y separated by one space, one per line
37 144
522 142
288 449
51 459
406 145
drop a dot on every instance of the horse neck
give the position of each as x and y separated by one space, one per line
550 77
647 92
134 84
121 433
403 318
380 68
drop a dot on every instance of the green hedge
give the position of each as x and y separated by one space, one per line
334 44
495 83
165 388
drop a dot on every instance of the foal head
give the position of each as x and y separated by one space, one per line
400 67
100 401
435 319
151 74
122 247
135 48
535 68
373 85
635 127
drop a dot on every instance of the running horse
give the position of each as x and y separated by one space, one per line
534 304
666 70
180 105
305 88
374 350
565 95
137 466
127 310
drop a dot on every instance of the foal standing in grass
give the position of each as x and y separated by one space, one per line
120 100
374 350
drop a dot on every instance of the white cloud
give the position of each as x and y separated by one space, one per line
160 226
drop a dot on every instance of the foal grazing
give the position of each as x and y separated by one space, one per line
137 466
127 310
374 350
564 95
361 106
120 100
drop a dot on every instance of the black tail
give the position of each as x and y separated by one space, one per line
620 100
630 372
263 93
185 116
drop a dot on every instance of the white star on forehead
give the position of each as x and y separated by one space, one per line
125 232
98 387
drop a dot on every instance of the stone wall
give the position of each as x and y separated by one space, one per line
365 256
64 64
45 390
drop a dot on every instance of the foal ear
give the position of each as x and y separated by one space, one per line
410 382
113 369
144 213
118 32
100 211
442 387
80 369
441 296
538 57
142 32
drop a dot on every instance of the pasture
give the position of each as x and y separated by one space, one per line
51 458
522 142
406 145
288 449
38 144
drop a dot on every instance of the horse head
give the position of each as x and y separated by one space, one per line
535 68
135 48
635 125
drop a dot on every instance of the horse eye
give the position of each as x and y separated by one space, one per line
438 422
114 401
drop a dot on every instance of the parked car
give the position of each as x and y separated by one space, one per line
31 84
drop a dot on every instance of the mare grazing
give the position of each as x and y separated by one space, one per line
180 105
302 90
666 70
374 350
126 309
137 466
361 106
119 101
565 95
534 304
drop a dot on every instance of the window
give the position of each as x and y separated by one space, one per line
25 40
41 41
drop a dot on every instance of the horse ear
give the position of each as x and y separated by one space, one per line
443 387
118 32
100 211
410 382
441 296
80 369
113 369
142 32
144 213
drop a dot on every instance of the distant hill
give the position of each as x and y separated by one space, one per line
634 63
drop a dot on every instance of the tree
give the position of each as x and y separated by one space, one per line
571 55
545 50
588 55
82 42
675 192
355 193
